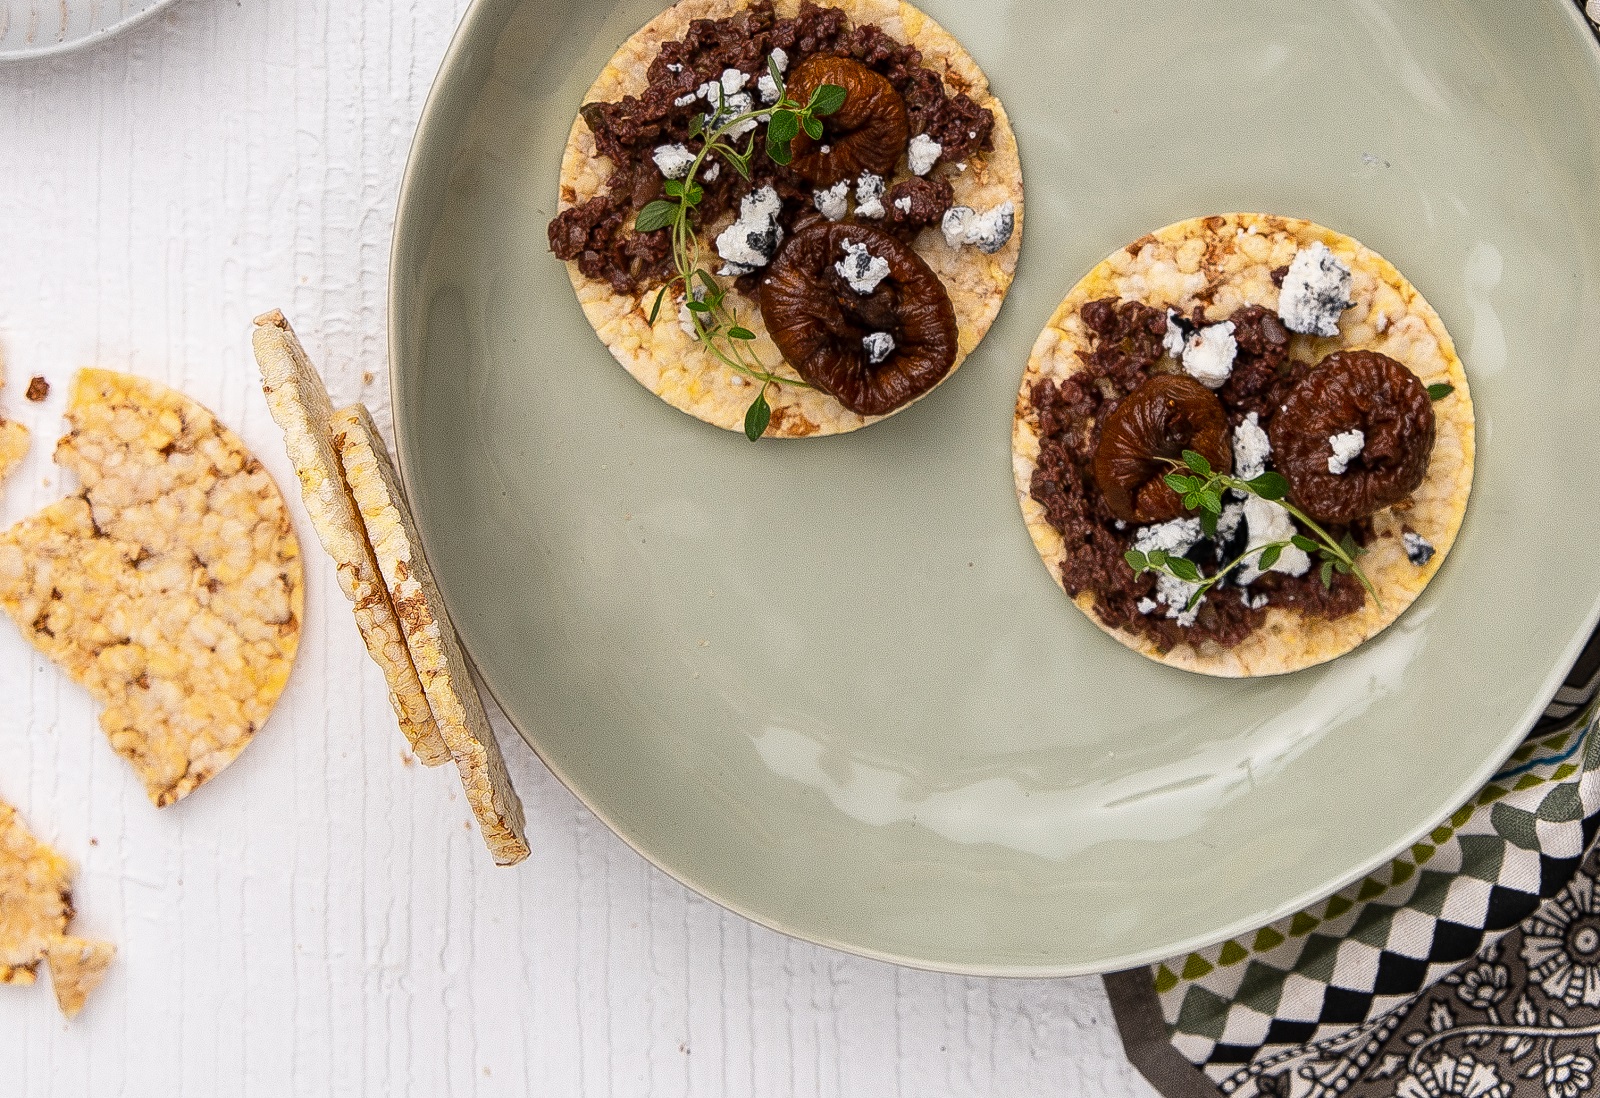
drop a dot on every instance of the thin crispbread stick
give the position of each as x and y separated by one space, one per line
299 403
435 651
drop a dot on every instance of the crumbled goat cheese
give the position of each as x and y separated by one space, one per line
922 154
674 68
711 173
1346 445
733 101
1251 448
1119 524
1179 330
1419 550
833 202
1315 291
957 220
826 149
733 81
861 268
767 87
903 204
685 100
1253 603
961 165
1176 593
1146 606
1268 522
878 346
869 195
752 241
1176 537
686 317
1208 354
991 229
1228 523
673 160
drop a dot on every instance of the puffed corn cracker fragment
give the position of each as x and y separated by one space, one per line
35 909
300 405
169 587
13 437
432 641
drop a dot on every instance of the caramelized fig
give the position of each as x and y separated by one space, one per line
832 295
1353 391
1163 417
868 133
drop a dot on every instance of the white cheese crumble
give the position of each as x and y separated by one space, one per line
961 165
727 91
1346 445
752 241
861 268
1267 522
686 317
1178 332
991 229
957 220
1253 603
878 347
1208 354
903 204
922 154
1251 448
673 160
685 100
833 202
1147 606
1175 538
1315 292
869 195
674 68
1228 523
711 173
1419 550
767 87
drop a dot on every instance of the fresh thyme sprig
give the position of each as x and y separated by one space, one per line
1201 490
716 322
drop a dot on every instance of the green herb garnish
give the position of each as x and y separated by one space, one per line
1440 390
716 322
1201 490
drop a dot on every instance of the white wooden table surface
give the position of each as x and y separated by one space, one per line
323 918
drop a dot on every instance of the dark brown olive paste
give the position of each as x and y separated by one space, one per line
1127 350
599 234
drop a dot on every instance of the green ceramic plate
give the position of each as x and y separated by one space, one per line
828 684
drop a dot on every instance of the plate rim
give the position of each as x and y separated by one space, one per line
1518 733
93 38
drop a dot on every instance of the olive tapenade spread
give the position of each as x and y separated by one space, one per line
599 233
1128 351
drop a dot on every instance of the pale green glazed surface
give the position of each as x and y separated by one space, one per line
829 683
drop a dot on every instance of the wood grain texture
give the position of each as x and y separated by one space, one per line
323 918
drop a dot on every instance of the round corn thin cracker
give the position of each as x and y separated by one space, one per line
35 910
678 369
170 587
299 403
1225 262
434 648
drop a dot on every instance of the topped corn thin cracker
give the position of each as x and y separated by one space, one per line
299 403
1278 352
35 909
434 648
170 587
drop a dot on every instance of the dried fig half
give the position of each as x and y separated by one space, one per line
1354 391
1163 417
831 322
868 133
